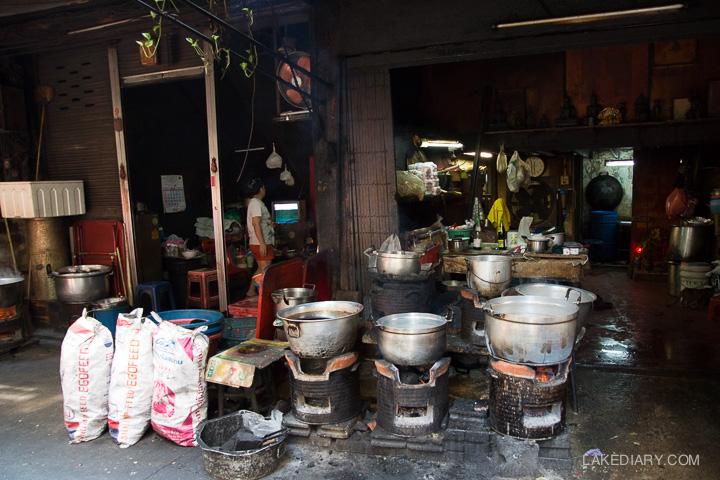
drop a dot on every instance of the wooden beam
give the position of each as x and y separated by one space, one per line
129 229
215 184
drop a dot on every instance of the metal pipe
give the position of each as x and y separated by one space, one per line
208 40
593 17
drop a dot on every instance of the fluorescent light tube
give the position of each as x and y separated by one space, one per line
593 17
449 144
482 154
620 163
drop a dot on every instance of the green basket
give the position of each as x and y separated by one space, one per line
459 233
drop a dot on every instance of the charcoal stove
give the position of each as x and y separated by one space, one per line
391 294
325 391
412 401
472 318
527 402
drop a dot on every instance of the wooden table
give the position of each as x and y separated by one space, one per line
535 266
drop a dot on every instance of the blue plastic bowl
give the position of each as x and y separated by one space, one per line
194 318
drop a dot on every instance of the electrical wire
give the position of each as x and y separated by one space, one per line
252 128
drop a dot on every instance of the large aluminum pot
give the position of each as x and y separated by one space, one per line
530 330
321 329
577 296
412 339
289 297
691 243
489 274
81 283
398 263
11 291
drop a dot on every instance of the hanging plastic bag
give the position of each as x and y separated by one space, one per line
179 402
131 380
287 177
274 160
85 359
676 203
515 173
501 164
527 173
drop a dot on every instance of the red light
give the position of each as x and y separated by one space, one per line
638 250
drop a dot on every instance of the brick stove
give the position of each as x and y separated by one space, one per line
527 402
412 401
324 391
391 294
472 318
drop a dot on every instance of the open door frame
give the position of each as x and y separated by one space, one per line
214 164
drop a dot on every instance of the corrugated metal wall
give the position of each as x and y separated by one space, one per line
369 207
79 138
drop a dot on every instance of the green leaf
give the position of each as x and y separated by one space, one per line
139 43
216 37
189 40
156 29
153 14
147 36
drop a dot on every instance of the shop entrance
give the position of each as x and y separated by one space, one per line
166 144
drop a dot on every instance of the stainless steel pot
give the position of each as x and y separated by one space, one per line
81 283
321 329
399 263
11 291
412 339
537 243
458 245
556 239
582 298
530 330
289 297
691 243
489 274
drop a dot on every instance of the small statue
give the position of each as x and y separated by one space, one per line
593 110
568 114
642 109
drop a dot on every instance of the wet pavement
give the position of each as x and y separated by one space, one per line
646 329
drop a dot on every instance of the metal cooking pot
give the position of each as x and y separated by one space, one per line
81 283
458 245
489 274
399 263
289 297
691 243
537 243
412 339
530 330
11 291
321 329
577 296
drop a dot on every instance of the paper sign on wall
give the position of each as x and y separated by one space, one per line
173 193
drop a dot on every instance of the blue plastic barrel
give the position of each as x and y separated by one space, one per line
604 226
194 318
107 310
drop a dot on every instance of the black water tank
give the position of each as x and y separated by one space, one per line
604 192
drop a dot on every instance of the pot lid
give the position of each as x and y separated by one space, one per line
10 280
559 292
411 323
532 309
84 270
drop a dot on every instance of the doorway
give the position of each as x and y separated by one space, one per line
166 144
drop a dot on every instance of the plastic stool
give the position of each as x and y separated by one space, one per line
714 308
156 296
202 288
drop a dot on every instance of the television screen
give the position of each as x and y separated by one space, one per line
286 212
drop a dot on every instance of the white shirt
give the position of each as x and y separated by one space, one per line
256 208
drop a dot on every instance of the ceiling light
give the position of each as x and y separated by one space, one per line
449 144
593 17
482 154
620 163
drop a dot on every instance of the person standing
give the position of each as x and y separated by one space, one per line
260 229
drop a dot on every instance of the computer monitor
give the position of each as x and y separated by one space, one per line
287 212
